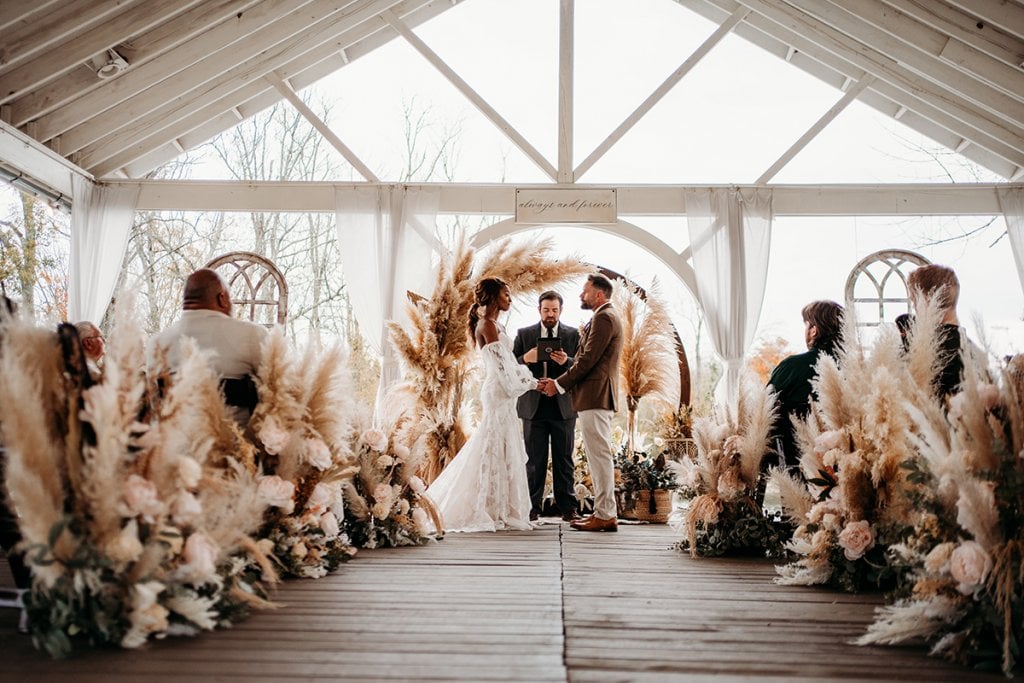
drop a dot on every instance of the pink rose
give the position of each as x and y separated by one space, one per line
317 453
186 509
140 497
375 439
856 539
969 566
329 524
200 555
273 437
276 492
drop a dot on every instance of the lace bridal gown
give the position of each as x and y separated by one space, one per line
484 487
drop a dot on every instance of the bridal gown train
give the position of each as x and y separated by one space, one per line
484 487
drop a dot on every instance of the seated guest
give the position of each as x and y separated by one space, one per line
904 322
791 378
941 284
206 318
93 345
10 536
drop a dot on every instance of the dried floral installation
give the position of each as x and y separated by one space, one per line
436 350
856 446
648 365
723 515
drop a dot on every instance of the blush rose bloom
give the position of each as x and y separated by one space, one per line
856 539
401 451
416 484
186 509
969 566
421 521
276 492
140 496
200 555
329 525
189 471
320 498
383 497
274 438
317 453
375 439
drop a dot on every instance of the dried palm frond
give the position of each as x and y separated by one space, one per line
649 363
528 267
911 619
328 400
796 499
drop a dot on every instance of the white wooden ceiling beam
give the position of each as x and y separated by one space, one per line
24 155
145 48
814 38
716 37
566 28
964 27
189 64
1006 15
479 102
132 21
911 44
908 199
51 30
321 127
162 114
206 116
849 96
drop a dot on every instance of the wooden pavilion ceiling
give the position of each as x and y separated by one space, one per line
951 69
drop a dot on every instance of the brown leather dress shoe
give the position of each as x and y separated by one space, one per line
593 523
571 516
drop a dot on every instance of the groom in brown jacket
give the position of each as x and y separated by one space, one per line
594 383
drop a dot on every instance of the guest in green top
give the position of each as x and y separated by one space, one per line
791 379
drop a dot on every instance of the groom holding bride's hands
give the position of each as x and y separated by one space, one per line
593 383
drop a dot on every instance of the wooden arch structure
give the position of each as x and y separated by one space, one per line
256 286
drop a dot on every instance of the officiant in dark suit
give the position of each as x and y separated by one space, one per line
548 421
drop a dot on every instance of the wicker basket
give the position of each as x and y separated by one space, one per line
642 509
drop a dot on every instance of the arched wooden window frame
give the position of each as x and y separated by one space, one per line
254 271
894 259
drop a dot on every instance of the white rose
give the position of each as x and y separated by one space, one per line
140 497
273 437
329 524
969 565
189 471
401 451
375 439
317 453
276 492
200 555
856 539
186 509
416 484
320 497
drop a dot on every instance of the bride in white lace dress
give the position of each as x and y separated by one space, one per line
484 487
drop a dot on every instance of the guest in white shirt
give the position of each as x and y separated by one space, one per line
206 318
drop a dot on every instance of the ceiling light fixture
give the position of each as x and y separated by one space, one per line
109 64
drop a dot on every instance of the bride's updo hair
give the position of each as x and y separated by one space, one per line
487 292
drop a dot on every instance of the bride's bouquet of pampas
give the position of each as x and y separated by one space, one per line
387 502
857 494
723 516
303 426
132 529
435 351
964 593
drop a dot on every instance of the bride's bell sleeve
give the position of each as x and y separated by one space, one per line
513 377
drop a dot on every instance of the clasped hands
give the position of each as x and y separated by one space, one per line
546 386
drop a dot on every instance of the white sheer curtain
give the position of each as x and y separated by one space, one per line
730 237
101 218
385 236
1011 201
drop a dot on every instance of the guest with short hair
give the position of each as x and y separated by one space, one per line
940 283
94 346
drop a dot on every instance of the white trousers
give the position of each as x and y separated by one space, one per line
596 429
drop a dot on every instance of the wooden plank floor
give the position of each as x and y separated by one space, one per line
548 605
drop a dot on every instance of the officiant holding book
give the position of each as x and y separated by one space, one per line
549 422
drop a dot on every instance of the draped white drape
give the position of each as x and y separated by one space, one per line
386 236
101 218
730 237
1011 202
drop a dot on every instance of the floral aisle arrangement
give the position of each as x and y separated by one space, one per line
436 351
303 425
649 364
723 516
128 535
639 478
964 592
387 501
856 498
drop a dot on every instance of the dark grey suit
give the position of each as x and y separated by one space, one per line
548 421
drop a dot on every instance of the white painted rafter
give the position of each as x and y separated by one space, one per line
1007 15
849 96
716 37
479 102
321 127
566 27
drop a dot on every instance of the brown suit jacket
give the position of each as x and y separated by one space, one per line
594 379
